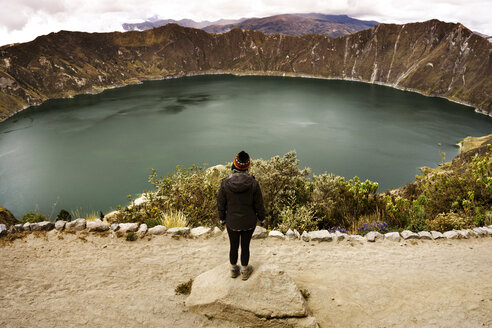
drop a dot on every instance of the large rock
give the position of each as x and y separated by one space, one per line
60 225
358 238
372 236
3 229
113 216
6 217
425 235
18 228
436 235
26 226
451 234
289 235
339 236
157 230
481 232
276 234
200 231
179 231
407 234
392 236
305 236
128 227
269 298
259 233
320 235
297 234
76 225
97 226
42 226
35 226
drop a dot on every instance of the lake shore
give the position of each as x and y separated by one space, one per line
70 280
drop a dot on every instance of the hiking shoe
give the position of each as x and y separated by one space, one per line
247 272
235 272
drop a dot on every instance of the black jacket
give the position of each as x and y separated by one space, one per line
240 201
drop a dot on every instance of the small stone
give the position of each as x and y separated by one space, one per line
339 236
76 225
482 232
392 236
60 225
128 227
97 225
259 233
489 231
18 228
407 234
3 230
26 226
276 234
200 231
179 231
114 227
142 230
436 235
320 235
216 231
425 235
372 236
490 226
290 235
35 226
357 238
157 230
463 234
305 236
451 235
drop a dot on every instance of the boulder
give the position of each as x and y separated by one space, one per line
392 236
26 226
451 234
97 226
276 234
372 236
259 233
142 230
157 230
128 227
407 234
290 235
436 235
425 235
320 235
339 236
60 225
3 229
6 217
76 225
179 231
200 231
269 298
305 236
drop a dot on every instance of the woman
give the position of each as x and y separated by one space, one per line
240 204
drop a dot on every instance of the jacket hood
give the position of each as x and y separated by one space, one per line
239 182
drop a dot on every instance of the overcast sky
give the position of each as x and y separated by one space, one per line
23 20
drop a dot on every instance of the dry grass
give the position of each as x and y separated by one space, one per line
174 219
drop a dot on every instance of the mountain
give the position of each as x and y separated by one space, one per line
153 23
299 24
433 58
289 24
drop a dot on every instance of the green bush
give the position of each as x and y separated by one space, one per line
299 218
449 221
33 217
64 216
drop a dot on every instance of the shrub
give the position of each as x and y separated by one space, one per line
64 216
449 221
152 222
131 236
33 217
173 219
300 218
381 227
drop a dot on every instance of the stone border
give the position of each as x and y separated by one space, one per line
319 235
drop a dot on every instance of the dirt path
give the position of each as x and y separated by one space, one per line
98 281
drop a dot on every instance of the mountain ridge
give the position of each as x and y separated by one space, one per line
433 58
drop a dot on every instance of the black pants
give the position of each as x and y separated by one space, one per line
234 238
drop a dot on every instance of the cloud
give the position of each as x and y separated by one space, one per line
23 20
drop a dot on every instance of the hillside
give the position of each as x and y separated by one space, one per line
299 24
433 58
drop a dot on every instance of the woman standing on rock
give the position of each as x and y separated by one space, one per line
240 204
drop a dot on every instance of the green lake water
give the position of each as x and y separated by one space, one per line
91 151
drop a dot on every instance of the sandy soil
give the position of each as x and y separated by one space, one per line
74 280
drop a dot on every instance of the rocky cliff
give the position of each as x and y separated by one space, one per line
433 58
